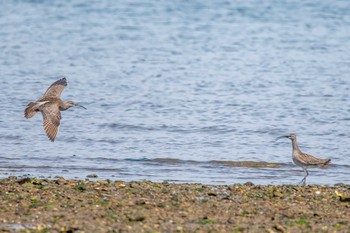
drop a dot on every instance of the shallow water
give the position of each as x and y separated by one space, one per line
171 86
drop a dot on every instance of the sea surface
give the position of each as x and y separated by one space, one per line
178 91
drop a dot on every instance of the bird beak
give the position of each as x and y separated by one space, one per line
81 106
281 137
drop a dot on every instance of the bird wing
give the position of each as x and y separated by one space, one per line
56 88
311 160
51 119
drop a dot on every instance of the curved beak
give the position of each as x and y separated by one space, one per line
81 106
278 138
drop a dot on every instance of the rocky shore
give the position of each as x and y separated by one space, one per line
59 205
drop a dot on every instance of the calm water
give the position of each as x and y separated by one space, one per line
174 89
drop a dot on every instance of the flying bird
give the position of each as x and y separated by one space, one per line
50 105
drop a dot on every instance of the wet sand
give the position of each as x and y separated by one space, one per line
59 205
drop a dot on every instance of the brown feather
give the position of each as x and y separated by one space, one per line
55 89
51 119
310 160
30 111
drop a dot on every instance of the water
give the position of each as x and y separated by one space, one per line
175 90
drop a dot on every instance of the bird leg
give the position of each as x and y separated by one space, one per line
303 181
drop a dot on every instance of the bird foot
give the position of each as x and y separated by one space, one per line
302 182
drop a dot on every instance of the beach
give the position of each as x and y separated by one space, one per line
60 205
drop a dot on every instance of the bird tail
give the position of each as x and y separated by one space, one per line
30 110
328 161
325 162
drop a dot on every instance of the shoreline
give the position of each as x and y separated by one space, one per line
60 205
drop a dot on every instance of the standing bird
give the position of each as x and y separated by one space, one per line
304 160
50 105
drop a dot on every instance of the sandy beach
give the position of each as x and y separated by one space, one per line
59 205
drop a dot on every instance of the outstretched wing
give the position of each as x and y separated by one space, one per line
56 88
51 120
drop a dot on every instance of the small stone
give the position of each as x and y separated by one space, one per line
249 183
179 228
24 180
230 220
137 218
121 185
279 228
140 202
277 194
212 193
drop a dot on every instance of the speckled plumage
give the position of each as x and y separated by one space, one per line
50 105
302 159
